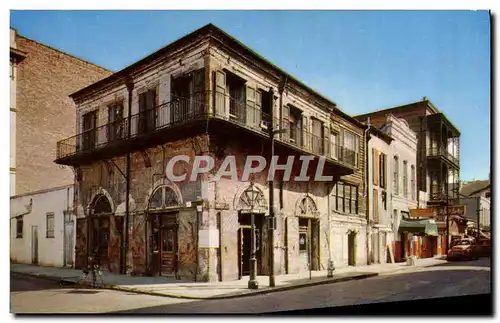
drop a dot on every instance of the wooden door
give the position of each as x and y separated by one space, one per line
168 249
34 245
89 130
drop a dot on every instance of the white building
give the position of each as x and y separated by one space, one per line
42 227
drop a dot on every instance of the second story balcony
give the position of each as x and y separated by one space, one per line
183 116
443 153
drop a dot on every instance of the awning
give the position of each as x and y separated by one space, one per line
418 226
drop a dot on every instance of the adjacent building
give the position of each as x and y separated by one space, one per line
41 78
476 196
209 95
437 166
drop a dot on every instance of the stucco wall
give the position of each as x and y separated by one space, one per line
50 250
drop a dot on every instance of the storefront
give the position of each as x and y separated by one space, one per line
418 238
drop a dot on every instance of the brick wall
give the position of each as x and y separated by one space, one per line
45 113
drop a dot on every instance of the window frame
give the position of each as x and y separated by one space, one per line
50 215
340 194
396 175
412 182
19 227
405 178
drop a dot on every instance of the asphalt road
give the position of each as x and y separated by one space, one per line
33 295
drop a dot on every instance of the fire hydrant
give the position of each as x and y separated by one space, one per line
330 269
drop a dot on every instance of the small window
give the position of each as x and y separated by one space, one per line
303 242
19 227
50 225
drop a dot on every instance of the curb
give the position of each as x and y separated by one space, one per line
267 290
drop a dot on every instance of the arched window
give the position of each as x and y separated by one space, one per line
307 206
102 205
252 199
162 198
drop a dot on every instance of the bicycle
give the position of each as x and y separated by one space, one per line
92 275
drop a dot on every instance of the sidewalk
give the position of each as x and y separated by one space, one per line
164 286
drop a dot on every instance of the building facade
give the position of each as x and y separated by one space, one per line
41 78
208 95
379 196
437 165
42 227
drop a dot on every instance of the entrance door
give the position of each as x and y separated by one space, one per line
68 240
100 240
351 249
244 238
168 248
34 245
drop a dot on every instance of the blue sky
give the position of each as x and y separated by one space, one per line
362 60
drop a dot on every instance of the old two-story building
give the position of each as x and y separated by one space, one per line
437 166
41 78
209 95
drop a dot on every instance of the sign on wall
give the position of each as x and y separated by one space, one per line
457 210
428 212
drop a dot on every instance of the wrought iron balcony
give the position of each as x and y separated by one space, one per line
316 144
184 111
442 152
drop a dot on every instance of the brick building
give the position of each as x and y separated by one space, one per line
41 78
208 94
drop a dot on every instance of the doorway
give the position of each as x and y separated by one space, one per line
100 240
164 244
244 244
308 243
351 248
34 245
68 240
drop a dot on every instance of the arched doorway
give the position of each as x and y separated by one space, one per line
100 230
251 203
162 252
309 238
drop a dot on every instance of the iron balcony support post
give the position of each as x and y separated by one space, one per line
125 237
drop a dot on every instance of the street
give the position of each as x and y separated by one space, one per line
34 295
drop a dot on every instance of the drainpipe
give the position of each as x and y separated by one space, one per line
367 202
331 265
125 237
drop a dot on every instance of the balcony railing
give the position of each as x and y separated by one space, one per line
442 151
179 110
185 110
438 192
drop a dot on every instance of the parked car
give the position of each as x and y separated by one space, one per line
464 249
484 246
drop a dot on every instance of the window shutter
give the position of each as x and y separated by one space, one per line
220 94
251 115
285 123
373 167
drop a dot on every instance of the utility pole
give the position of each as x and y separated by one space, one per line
478 215
272 218
447 223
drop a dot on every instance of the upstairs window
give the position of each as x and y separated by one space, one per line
345 198
412 183
147 110
396 176
350 147
405 178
